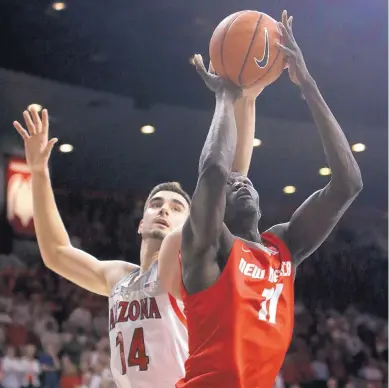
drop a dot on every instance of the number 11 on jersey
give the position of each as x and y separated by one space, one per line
269 305
137 355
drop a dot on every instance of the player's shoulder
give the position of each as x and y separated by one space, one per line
278 231
116 270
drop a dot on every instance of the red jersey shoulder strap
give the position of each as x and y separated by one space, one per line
273 241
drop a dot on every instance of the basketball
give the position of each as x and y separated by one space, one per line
243 49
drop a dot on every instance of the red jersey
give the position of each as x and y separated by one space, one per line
240 328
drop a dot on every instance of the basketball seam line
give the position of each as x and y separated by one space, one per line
224 39
249 49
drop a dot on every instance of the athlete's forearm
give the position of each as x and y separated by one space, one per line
220 145
345 170
50 230
245 123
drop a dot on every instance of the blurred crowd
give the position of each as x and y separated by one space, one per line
54 334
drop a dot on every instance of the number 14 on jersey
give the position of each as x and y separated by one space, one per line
137 355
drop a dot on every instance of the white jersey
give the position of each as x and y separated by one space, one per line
147 333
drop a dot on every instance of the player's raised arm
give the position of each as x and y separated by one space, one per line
317 216
244 110
202 230
57 252
245 124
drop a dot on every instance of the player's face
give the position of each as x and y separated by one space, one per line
242 199
165 211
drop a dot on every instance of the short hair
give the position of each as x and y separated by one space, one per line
175 187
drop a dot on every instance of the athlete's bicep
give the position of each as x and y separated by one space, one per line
314 220
168 263
85 270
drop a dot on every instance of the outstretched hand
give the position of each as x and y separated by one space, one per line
217 84
297 68
36 144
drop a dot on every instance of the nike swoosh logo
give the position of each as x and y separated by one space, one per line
265 59
246 250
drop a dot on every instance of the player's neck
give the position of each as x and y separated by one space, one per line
249 236
246 230
149 253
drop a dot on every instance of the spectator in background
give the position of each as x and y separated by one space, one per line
72 348
42 317
50 336
50 366
11 370
100 322
371 372
81 317
16 334
71 375
21 313
320 370
4 320
30 367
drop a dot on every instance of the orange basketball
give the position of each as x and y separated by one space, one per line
243 49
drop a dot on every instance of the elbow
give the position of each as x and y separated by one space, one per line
355 183
214 171
53 255
349 187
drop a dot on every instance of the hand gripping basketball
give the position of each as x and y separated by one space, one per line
217 84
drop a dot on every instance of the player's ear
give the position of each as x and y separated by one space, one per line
140 227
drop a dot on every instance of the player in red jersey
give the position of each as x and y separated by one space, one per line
237 284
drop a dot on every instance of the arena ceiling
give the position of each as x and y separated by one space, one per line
128 61
141 49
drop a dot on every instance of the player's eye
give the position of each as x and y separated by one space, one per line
177 208
155 204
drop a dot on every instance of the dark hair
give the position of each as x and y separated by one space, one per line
175 187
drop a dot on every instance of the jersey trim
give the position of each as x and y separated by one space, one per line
177 310
279 244
125 278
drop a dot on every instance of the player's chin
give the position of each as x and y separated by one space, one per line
159 233
247 206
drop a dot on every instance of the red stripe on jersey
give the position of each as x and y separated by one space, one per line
177 310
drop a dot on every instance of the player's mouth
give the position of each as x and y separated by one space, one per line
243 193
162 221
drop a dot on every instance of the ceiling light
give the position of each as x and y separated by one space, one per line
58 6
325 171
257 142
147 129
66 148
358 147
289 189
35 107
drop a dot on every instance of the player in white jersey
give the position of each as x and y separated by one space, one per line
147 329
147 332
